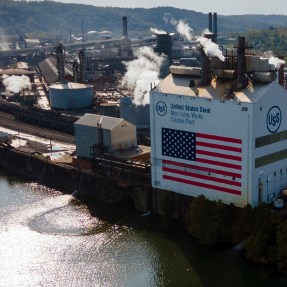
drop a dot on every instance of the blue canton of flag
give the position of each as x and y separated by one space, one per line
178 144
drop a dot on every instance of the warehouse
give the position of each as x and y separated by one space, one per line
223 137
107 133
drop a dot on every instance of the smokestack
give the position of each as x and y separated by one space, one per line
210 21
125 26
205 73
60 62
215 27
241 63
281 76
83 38
76 71
83 65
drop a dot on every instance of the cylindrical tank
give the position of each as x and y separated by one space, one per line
71 96
135 114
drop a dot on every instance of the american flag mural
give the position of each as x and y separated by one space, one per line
210 161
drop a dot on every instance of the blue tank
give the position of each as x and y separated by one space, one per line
69 96
135 114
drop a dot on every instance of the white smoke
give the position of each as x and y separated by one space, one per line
16 84
157 31
141 72
206 31
210 48
166 17
76 38
276 62
4 45
183 29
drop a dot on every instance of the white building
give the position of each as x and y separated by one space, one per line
225 143
110 133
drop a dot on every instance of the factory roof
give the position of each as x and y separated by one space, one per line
48 68
217 89
16 72
93 120
69 86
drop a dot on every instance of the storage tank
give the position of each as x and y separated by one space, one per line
135 114
71 96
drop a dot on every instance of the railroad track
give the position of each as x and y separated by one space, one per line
8 121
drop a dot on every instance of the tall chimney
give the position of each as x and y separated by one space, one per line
210 22
281 76
215 27
241 64
76 71
83 65
60 62
205 73
83 38
125 26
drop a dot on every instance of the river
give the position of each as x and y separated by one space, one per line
51 239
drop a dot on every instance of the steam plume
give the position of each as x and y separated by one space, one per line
3 41
184 29
157 31
141 72
210 48
166 17
16 84
276 62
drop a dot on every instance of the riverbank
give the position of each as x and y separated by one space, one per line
262 230
107 188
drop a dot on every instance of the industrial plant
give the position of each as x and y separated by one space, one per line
190 116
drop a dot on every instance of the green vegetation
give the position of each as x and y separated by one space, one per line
263 231
272 40
54 19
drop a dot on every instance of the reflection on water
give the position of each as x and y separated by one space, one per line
50 239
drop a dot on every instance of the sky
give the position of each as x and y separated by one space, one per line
222 7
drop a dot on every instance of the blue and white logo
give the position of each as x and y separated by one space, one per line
161 108
274 119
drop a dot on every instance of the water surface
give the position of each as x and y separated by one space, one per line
50 239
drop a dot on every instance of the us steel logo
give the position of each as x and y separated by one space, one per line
274 119
161 108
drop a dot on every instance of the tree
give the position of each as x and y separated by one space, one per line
208 221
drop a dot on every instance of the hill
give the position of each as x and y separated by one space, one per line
54 19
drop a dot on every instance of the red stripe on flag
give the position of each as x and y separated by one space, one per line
201 176
217 154
218 163
201 184
218 146
218 138
202 168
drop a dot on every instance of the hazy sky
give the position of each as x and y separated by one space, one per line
223 7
